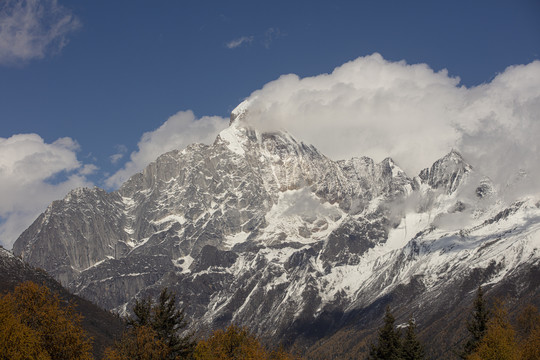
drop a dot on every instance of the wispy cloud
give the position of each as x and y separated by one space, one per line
116 157
29 169
121 150
266 39
32 29
270 35
233 44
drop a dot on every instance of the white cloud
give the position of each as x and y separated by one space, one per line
121 151
27 165
116 157
88 169
379 108
368 106
501 128
179 131
266 39
238 42
31 29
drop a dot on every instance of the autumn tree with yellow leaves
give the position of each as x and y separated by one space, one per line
236 343
529 333
155 332
502 342
499 340
140 343
36 324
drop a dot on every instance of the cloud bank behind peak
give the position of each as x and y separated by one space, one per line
366 107
378 108
33 173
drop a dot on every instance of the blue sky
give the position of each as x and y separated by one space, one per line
88 78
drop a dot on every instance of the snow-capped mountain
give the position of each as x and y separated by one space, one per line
263 230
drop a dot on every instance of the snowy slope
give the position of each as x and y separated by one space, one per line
264 230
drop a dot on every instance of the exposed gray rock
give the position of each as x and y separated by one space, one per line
210 256
75 233
263 230
446 173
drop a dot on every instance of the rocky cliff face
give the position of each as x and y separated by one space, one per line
266 231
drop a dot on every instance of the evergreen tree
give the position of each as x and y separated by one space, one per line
499 341
412 349
389 344
167 321
142 310
477 326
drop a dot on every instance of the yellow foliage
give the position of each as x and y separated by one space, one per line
499 342
281 354
236 343
35 322
139 343
530 347
18 341
233 343
529 326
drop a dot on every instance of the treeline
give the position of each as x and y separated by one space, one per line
491 336
35 324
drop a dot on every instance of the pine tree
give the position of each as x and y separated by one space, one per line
477 326
412 349
389 344
167 321
142 311
499 341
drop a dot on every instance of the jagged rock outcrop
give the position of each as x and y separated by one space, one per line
75 233
264 230
446 173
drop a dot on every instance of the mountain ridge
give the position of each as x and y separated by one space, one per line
265 231
102 326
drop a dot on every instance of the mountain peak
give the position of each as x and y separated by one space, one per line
453 155
266 231
234 137
447 172
390 164
239 112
